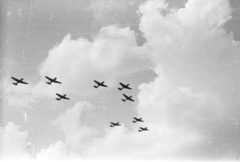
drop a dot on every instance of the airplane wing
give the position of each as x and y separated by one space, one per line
131 99
122 84
135 118
15 79
59 95
23 82
96 82
104 85
112 123
48 78
125 96
66 98
128 87
57 82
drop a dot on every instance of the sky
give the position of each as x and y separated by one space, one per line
180 57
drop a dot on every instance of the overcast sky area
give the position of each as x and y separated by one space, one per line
180 57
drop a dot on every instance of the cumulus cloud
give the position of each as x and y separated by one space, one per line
57 151
191 36
70 123
76 134
177 105
195 62
161 142
175 117
192 55
17 96
113 53
188 46
12 141
29 149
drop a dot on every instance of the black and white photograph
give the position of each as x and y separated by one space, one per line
120 80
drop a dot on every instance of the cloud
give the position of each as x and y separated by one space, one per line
160 142
17 96
177 105
76 134
57 151
70 123
190 50
189 46
175 117
113 53
194 59
29 149
12 141
184 107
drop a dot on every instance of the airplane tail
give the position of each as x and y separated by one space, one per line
123 100
48 83
134 121
95 86
58 99
139 131
15 83
111 125
120 89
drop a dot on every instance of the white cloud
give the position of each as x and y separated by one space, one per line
12 141
113 53
193 34
77 135
20 96
177 105
57 151
186 46
29 149
70 123
173 115
159 143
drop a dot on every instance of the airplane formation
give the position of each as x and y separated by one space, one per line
98 84
136 120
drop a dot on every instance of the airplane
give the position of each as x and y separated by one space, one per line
127 98
143 129
115 124
137 120
52 80
18 81
62 97
99 84
126 86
